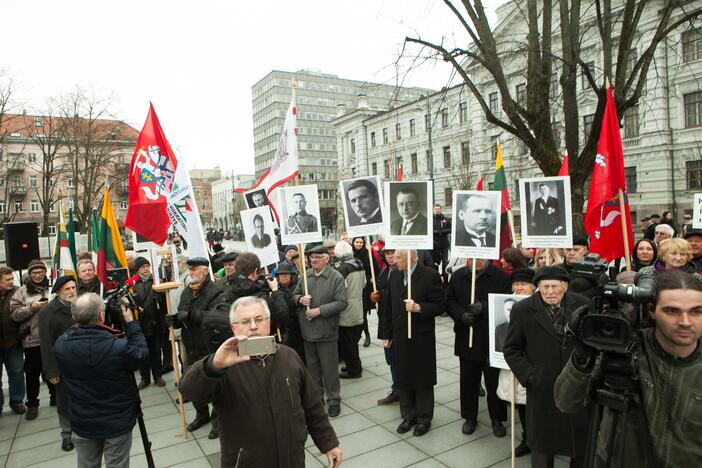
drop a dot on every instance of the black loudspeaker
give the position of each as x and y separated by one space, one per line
21 244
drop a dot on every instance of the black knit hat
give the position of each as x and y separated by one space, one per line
551 272
581 240
140 262
60 281
284 269
525 275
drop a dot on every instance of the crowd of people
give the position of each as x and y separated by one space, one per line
316 303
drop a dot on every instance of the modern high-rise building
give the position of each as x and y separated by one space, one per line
318 97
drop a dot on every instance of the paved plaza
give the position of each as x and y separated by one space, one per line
366 431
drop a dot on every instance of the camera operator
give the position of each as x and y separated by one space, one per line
669 367
97 369
536 350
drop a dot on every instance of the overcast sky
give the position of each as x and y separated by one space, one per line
197 61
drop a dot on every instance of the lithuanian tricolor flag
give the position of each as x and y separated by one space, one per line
62 261
501 185
110 248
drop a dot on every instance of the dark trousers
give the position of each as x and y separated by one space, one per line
348 348
202 410
62 410
440 257
470 383
167 351
390 360
154 366
522 418
417 404
545 460
32 374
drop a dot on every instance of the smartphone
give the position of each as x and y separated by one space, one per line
43 299
257 346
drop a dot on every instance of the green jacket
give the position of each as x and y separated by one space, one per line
671 392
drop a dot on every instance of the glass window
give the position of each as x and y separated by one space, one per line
465 153
631 122
72 182
493 103
413 162
587 124
693 109
33 181
387 168
32 157
427 122
52 229
630 175
521 94
18 206
374 168
413 127
398 131
692 45
385 136
463 112
2 206
353 146
694 174
447 156
123 204
444 118
372 139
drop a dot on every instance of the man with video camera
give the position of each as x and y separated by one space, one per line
664 427
97 369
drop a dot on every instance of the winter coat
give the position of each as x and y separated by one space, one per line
266 409
355 281
9 330
97 369
536 353
490 280
329 294
384 331
416 357
671 395
54 319
24 315
442 230
240 286
93 286
153 308
192 311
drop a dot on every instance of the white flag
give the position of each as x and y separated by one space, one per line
183 213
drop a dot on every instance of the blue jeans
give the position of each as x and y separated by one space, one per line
13 359
390 360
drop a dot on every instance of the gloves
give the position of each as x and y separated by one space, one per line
583 355
171 320
375 297
472 313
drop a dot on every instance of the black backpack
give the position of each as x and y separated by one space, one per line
216 328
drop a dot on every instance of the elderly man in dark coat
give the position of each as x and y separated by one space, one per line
415 356
536 350
474 360
197 300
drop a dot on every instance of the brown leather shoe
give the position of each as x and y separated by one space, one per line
32 413
159 382
19 409
388 400
143 384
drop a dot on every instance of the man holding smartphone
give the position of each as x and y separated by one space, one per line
261 395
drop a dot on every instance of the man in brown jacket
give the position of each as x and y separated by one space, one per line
266 403
10 345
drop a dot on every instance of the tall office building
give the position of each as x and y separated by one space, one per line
318 96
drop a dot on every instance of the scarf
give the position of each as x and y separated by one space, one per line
38 288
196 287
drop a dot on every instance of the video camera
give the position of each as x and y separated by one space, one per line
609 329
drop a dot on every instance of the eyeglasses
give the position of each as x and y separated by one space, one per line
550 286
247 322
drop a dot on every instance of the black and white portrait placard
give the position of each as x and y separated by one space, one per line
499 310
475 227
546 212
256 198
299 214
408 209
363 206
259 231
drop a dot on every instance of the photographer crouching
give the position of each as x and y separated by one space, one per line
663 424
97 368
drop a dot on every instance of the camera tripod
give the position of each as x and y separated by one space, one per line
619 391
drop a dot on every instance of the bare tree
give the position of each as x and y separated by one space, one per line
530 118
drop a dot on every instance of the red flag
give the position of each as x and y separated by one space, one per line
563 171
151 176
479 185
602 218
399 172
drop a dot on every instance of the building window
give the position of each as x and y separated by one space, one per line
692 45
372 139
587 124
465 153
353 146
72 182
493 146
493 103
374 168
631 122
38 121
413 162
448 196
33 181
447 156
123 204
693 109
32 157
630 175
694 174
413 127
398 131
387 168
427 157
18 207
385 136
427 122
463 112
583 77
52 206
521 94
71 204
2 206
444 118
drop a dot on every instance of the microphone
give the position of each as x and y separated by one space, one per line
131 281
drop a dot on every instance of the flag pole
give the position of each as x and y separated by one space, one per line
625 233
472 299
512 407
409 293
510 221
372 268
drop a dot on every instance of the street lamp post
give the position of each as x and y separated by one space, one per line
430 155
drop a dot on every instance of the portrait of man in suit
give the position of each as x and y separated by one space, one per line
479 222
546 214
363 202
501 329
256 199
260 239
409 220
301 221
